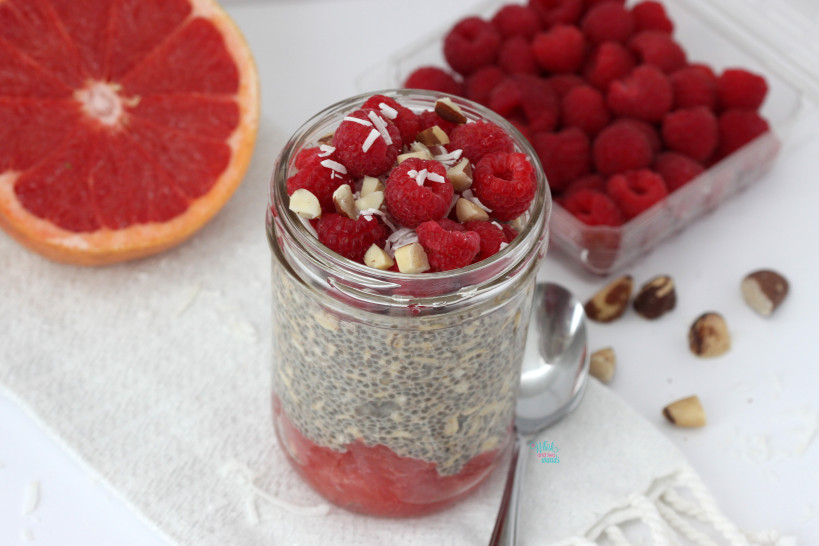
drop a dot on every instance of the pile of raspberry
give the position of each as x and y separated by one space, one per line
413 192
616 112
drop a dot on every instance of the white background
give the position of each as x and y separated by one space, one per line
759 454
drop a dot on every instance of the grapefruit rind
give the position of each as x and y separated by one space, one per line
106 246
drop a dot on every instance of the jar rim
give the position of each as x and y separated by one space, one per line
360 277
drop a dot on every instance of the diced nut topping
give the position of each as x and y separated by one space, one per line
411 258
686 412
376 257
305 204
460 175
467 211
344 202
372 200
433 136
611 302
519 223
370 184
602 364
409 155
709 335
449 111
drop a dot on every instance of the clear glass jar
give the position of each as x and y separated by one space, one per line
394 394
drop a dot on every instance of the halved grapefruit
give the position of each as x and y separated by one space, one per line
125 125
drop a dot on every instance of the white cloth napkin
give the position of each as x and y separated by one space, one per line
155 374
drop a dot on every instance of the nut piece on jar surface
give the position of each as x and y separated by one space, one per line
686 412
611 302
467 211
602 364
433 136
376 257
411 258
709 335
656 297
460 175
764 290
344 202
305 204
448 110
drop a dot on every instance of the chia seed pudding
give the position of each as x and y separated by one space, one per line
394 393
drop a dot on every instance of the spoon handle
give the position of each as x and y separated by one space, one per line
506 524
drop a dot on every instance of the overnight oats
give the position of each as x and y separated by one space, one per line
406 229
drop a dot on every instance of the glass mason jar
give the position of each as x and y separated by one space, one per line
394 394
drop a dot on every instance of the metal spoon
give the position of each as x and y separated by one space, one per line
553 379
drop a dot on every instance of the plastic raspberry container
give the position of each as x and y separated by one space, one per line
777 40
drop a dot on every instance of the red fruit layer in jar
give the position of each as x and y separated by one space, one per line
375 480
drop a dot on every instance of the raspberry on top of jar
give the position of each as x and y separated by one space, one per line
413 192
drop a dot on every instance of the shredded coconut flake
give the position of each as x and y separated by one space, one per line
334 165
468 194
503 245
449 159
326 150
370 139
358 120
388 111
435 177
381 125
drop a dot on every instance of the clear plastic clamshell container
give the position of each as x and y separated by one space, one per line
775 39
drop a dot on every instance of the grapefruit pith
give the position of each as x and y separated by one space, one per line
125 125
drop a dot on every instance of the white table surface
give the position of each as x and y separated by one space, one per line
759 453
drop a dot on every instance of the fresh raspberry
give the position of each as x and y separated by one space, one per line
593 208
446 249
562 48
585 107
608 62
351 138
563 83
589 182
406 120
433 78
565 156
636 191
479 85
676 169
505 183
478 139
694 85
348 237
516 20
471 44
451 225
516 56
621 147
410 203
528 100
607 22
644 94
647 129
306 156
557 12
658 48
651 15
692 131
492 237
741 89
428 118
737 128
318 179
591 3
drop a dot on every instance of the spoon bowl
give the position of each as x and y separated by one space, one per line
553 379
